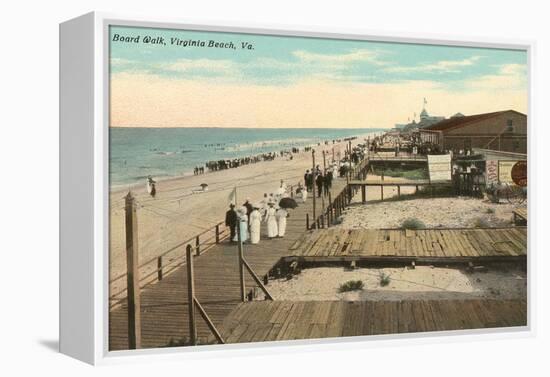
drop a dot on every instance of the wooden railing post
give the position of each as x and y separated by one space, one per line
191 296
241 262
197 246
307 221
313 174
132 274
159 268
217 233
330 206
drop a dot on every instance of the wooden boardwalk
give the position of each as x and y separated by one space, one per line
164 311
338 244
286 320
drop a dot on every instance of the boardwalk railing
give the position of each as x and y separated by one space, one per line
244 264
156 268
193 303
335 207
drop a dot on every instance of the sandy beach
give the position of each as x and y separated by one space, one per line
421 283
455 212
176 213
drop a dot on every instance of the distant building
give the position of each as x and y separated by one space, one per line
501 131
426 120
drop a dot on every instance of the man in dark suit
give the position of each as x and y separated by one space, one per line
231 221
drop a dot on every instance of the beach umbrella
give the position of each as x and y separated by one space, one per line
288 203
203 185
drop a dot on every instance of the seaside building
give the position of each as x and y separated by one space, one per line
501 131
425 121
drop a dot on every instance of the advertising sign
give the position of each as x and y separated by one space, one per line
439 167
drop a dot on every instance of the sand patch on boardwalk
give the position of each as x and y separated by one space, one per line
458 212
424 282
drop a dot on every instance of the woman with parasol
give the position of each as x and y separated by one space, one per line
282 214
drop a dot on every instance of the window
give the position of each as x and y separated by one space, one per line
509 126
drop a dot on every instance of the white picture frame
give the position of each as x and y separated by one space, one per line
84 189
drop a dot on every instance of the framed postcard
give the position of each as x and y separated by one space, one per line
225 187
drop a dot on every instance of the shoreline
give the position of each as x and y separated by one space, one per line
176 213
125 186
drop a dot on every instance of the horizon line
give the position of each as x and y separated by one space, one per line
269 128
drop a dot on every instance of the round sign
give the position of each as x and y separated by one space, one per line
519 173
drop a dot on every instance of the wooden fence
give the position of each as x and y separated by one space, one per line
335 207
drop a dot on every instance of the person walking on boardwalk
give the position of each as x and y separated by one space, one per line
263 205
301 191
281 216
329 178
255 221
243 224
249 208
319 181
309 181
271 220
231 221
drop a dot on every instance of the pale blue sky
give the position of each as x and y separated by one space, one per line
304 82
284 60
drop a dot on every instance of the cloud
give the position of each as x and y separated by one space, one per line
510 77
354 56
447 66
213 66
120 62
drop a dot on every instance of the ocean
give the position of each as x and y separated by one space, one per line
136 153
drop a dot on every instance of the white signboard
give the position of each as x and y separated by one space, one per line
439 167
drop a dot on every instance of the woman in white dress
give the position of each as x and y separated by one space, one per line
255 220
271 221
281 216
243 225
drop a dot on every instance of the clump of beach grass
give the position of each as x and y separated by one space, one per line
481 223
351 285
489 211
412 223
384 279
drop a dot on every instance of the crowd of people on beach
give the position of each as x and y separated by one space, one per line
236 162
245 222
212 166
